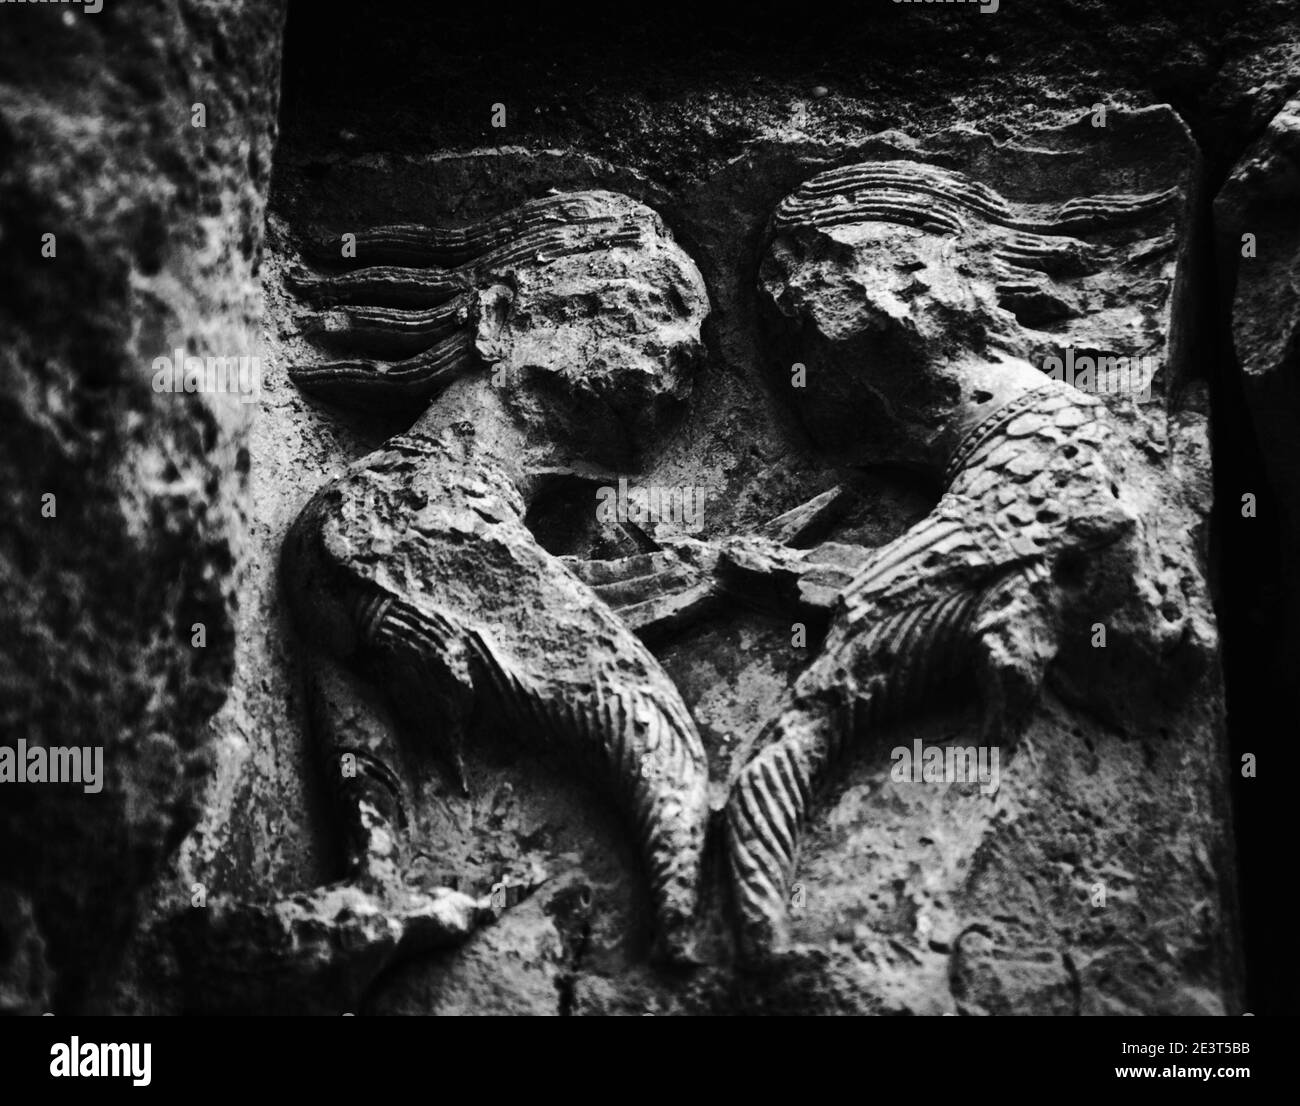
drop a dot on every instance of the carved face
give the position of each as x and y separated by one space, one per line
579 308
907 291
890 283
596 343
884 312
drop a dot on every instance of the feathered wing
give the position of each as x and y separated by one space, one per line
905 627
558 668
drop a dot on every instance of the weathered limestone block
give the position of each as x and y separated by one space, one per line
127 232
549 342
911 897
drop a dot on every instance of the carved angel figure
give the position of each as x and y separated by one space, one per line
912 294
552 339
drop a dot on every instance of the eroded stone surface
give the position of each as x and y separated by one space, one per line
156 232
911 898
417 568
917 898
919 342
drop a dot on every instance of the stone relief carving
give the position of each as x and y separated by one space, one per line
909 284
547 341
911 293
553 343
434 401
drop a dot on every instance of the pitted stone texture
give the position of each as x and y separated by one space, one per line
157 229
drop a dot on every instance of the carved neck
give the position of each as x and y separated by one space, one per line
987 387
474 411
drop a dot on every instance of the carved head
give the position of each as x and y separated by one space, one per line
900 283
595 334
578 308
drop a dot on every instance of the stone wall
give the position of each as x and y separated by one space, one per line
127 232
